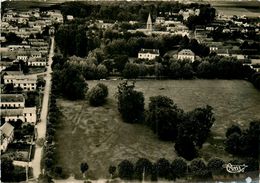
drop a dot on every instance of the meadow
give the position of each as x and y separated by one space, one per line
98 135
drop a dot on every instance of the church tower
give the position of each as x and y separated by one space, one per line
149 25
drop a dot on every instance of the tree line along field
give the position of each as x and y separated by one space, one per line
98 136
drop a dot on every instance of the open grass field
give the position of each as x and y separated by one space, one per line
229 8
98 135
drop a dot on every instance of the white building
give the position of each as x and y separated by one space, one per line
36 54
36 62
7 135
26 82
23 57
186 54
149 54
12 114
160 20
26 115
12 101
29 114
13 108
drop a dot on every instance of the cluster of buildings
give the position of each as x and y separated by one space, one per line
28 26
25 23
226 48
32 51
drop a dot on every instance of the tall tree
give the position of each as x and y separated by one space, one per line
83 168
126 170
163 117
130 103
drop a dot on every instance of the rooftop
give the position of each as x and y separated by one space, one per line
12 98
186 52
7 129
152 51
11 112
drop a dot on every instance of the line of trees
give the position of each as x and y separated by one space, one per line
49 160
124 11
170 123
197 169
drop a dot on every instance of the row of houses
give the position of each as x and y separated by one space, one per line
151 54
23 24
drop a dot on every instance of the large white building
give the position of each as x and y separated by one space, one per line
26 82
186 54
149 54
36 62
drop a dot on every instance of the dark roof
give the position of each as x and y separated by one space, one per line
152 51
11 98
11 112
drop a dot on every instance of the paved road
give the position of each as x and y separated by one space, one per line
41 127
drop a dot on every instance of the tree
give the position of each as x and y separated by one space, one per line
58 171
112 170
198 168
120 62
205 70
215 165
130 103
197 125
187 71
101 72
154 173
233 129
98 94
73 85
7 169
131 71
31 99
163 117
126 170
163 168
40 82
45 178
232 143
185 147
175 69
9 88
179 167
83 168
143 166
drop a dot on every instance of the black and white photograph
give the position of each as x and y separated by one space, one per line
130 91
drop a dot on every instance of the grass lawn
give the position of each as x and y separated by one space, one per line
231 8
98 135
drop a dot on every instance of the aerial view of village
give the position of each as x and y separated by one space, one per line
130 91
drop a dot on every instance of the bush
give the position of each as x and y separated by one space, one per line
215 165
98 94
179 167
126 170
163 168
143 165
198 168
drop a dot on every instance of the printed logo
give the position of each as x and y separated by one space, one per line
235 168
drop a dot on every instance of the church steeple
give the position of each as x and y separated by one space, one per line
149 24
